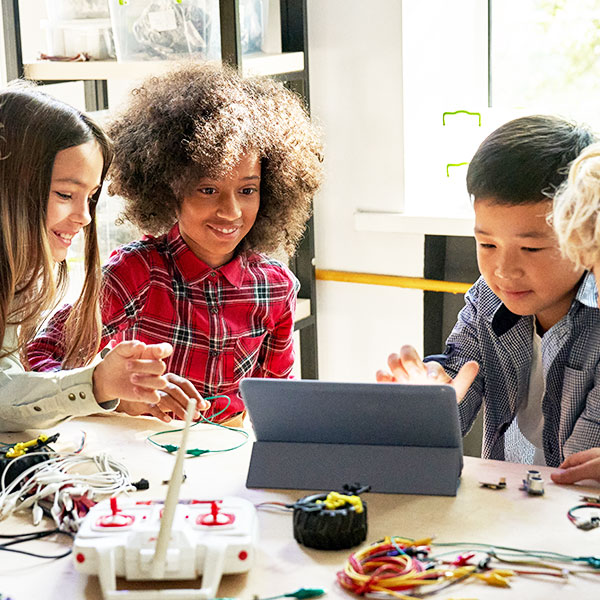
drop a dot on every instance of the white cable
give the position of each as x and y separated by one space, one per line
57 480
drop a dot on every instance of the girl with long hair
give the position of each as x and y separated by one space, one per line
53 160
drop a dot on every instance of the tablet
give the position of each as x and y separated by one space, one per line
321 435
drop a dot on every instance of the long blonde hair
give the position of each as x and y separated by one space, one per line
576 212
34 127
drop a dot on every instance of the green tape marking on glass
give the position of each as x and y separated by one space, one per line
465 112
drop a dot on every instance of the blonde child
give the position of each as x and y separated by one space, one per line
576 219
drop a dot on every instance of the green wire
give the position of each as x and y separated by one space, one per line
301 594
304 593
170 448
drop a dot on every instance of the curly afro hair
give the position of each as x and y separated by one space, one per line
198 121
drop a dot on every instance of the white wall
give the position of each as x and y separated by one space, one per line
355 54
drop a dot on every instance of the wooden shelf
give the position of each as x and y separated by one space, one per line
252 64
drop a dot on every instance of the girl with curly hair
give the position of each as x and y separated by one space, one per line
217 170
53 160
576 220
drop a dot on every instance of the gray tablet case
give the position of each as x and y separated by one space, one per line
319 435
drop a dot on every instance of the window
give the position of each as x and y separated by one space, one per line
470 66
545 55
444 71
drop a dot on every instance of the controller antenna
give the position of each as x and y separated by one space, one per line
164 534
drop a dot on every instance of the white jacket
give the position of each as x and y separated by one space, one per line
30 400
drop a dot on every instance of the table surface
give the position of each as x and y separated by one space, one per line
506 517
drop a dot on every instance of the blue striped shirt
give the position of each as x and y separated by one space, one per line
502 343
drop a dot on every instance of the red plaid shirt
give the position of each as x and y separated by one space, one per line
224 324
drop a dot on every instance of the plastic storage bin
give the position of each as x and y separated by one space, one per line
174 29
66 10
79 26
90 36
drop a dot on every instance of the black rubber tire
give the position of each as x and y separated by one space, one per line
326 529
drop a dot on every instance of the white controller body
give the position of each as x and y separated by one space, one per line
204 540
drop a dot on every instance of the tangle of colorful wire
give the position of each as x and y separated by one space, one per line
388 567
395 565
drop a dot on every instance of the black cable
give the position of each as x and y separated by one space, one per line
19 538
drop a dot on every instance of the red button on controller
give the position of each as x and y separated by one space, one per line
215 518
116 518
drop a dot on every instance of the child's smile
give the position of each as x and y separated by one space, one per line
76 177
226 233
224 230
218 213
518 257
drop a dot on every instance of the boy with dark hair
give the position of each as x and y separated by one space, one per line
527 344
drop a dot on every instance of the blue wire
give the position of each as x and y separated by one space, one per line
399 550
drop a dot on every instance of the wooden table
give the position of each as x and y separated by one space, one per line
506 517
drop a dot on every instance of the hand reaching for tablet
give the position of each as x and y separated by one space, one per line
407 367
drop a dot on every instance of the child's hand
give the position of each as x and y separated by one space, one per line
407 367
135 409
131 371
173 401
174 397
579 466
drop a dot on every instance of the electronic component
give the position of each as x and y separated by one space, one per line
28 454
501 485
591 499
591 522
177 539
398 567
62 487
533 484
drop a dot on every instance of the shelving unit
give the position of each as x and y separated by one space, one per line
253 64
291 67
